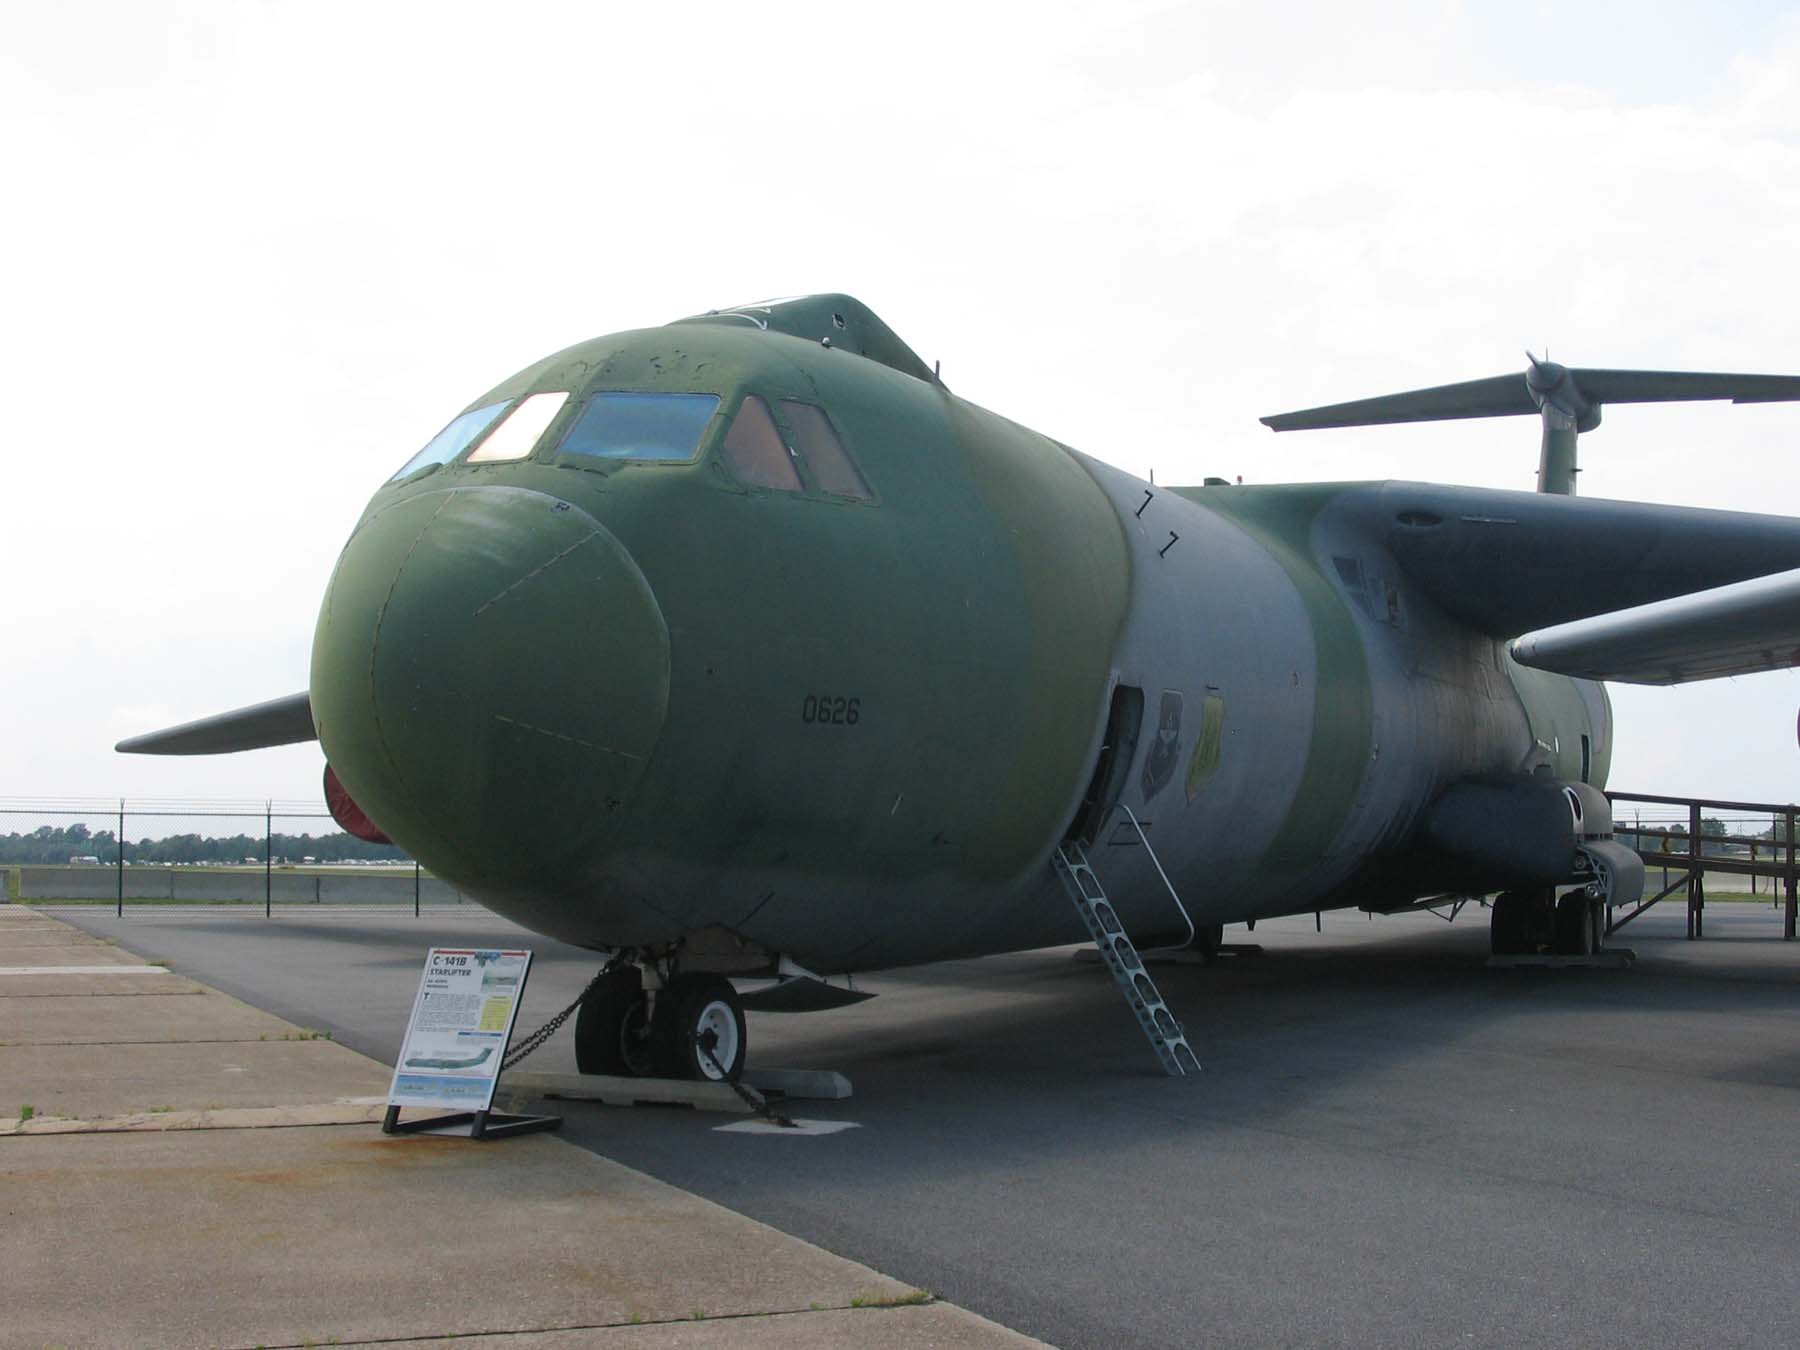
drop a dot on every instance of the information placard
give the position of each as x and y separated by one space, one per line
461 1023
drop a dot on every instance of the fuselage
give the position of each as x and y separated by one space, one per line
672 666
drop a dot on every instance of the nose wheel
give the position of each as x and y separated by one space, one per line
613 1026
698 1029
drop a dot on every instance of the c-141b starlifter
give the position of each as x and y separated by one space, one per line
744 647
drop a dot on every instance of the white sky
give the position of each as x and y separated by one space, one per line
253 255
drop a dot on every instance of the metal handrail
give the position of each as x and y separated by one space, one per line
1193 932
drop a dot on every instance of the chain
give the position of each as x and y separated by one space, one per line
545 1032
749 1096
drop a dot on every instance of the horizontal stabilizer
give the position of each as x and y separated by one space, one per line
280 721
1500 396
1734 630
1684 386
1512 395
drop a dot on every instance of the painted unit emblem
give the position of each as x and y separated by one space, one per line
1159 764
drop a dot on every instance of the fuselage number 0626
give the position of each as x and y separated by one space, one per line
831 710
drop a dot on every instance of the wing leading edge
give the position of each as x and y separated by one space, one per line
280 721
1734 630
1507 563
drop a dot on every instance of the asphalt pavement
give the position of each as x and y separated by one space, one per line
1390 1144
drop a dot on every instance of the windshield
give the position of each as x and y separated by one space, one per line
640 426
517 436
453 439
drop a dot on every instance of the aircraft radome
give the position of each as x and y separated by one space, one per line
744 647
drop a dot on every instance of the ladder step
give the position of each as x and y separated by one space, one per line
1159 1024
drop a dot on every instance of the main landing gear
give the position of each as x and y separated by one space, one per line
692 1027
1537 922
1209 941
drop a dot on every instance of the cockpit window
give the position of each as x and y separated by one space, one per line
518 434
817 443
755 451
453 439
640 426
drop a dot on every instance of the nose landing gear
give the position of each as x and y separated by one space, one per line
692 1027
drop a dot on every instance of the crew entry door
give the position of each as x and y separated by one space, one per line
1118 748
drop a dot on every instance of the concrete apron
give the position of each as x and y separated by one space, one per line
168 1191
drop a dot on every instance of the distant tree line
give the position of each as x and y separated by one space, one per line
49 844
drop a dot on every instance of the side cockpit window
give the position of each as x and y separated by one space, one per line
817 443
755 451
765 453
453 439
625 426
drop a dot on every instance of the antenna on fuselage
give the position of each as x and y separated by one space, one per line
1567 401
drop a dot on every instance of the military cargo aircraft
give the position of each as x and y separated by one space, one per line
743 647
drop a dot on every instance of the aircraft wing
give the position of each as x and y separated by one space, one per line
1734 630
1508 563
280 721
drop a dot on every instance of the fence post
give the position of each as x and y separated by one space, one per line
268 857
1787 920
1695 852
415 888
120 910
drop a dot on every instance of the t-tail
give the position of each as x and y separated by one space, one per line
1568 401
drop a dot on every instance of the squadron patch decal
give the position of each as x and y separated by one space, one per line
1165 750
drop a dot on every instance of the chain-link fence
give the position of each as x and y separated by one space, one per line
150 852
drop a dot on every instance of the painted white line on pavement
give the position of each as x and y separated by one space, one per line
799 1127
84 970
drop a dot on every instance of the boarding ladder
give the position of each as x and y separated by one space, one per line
1122 959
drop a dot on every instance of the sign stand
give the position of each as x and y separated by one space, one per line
456 1043
483 1124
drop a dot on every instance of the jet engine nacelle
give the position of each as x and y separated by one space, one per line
1494 835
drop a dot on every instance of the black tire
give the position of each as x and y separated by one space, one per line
612 1027
694 1011
1508 923
1573 932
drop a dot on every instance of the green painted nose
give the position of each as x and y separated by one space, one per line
490 676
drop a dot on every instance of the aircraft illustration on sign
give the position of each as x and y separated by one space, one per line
736 649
